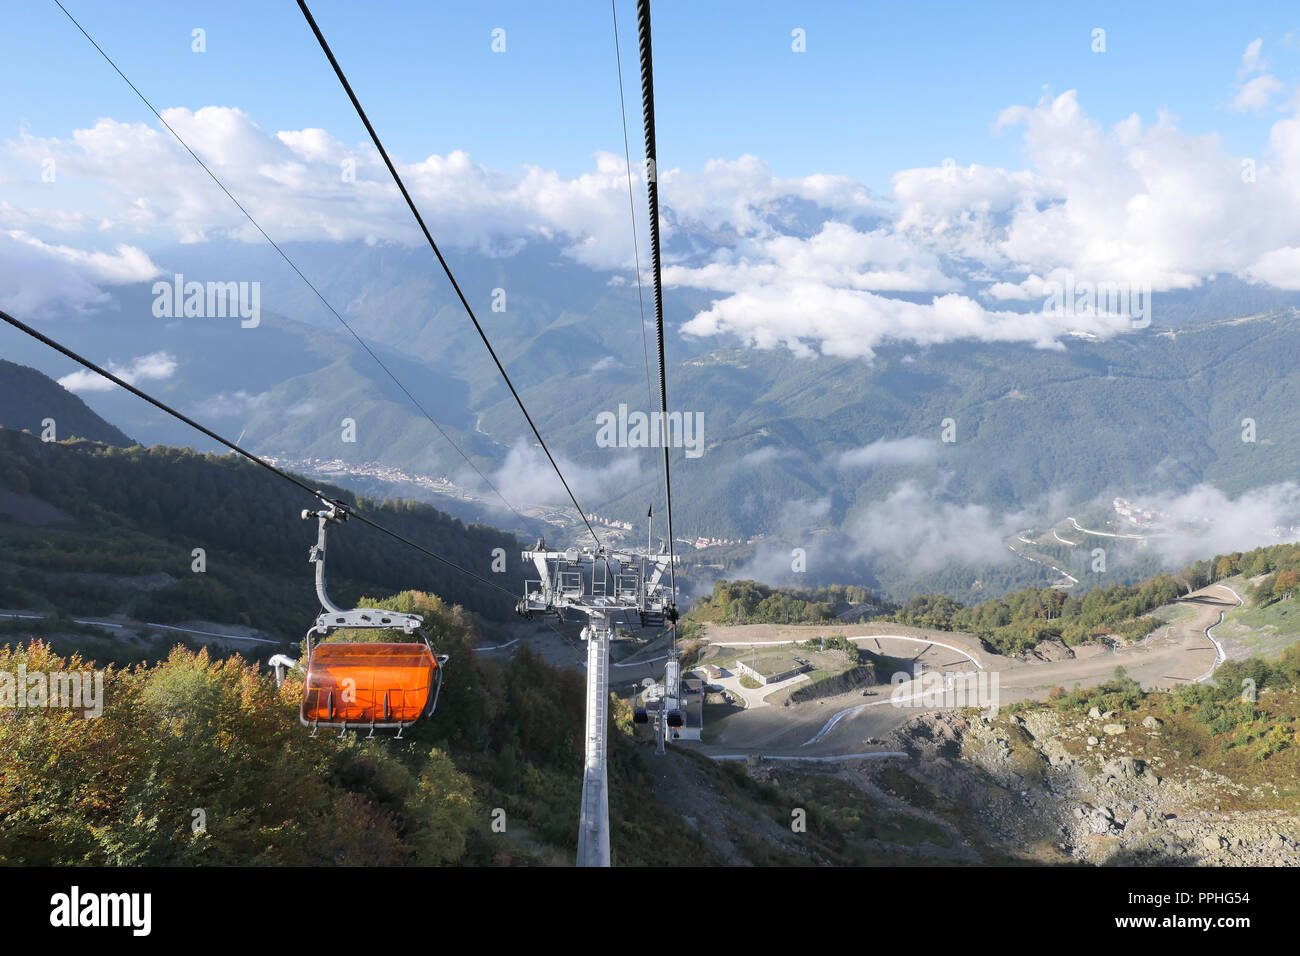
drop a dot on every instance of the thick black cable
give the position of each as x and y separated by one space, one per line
631 206
356 104
652 186
255 459
293 265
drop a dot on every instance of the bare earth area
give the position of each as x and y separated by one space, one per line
1175 654
971 786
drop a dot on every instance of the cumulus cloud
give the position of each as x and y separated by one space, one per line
154 367
837 256
809 318
1031 287
125 264
742 195
1142 205
307 185
913 524
39 279
789 260
1255 94
1279 268
1145 203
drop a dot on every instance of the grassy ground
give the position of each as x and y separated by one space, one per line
1173 613
825 664
1263 631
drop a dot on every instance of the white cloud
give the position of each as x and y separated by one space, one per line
1134 203
1139 202
1250 60
38 279
1279 268
125 264
526 477
766 455
838 256
1031 287
810 317
914 524
739 195
884 452
1204 521
294 183
232 404
154 367
1255 94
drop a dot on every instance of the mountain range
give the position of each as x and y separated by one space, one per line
905 470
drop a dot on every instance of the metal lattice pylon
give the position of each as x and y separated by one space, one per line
602 586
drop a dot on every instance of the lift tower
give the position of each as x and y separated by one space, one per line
603 586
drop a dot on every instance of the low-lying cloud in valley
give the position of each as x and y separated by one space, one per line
1204 521
884 451
527 479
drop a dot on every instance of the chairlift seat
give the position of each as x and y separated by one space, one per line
369 684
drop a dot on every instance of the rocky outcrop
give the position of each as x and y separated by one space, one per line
1052 649
1079 785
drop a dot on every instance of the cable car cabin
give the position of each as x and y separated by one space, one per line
380 686
674 718
640 716
354 685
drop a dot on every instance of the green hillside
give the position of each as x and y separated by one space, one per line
27 398
89 529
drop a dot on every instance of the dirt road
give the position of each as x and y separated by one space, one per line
1175 654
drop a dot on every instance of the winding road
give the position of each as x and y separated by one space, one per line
1219 655
1181 652
118 625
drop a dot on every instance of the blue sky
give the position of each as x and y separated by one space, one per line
882 87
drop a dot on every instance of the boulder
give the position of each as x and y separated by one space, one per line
1113 730
1127 767
1138 823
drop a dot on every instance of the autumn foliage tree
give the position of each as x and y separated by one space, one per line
201 761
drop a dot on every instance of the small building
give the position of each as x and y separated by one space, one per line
775 671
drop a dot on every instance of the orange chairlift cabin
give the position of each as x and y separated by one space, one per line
358 685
